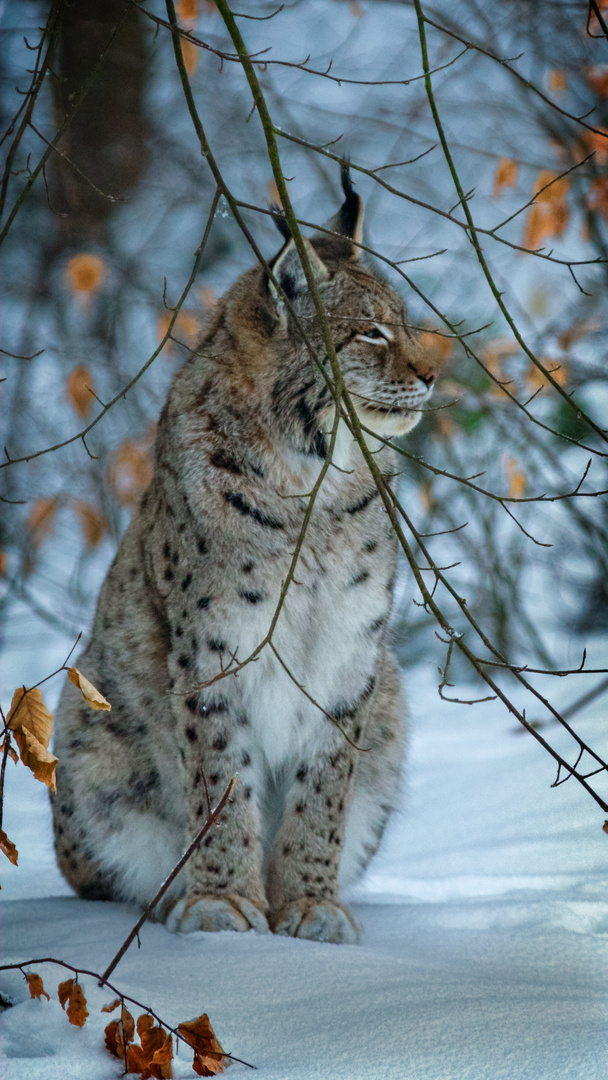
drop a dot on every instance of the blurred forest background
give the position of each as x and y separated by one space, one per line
105 198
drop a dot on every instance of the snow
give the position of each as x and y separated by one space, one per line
485 933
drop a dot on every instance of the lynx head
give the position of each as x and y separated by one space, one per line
385 368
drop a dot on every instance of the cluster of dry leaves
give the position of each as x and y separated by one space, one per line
30 724
153 1054
548 215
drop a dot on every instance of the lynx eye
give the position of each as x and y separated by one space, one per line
376 335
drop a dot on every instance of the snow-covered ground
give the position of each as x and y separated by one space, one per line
485 933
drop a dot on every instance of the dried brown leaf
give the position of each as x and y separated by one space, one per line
190 52
204 1065
598 79
596 142
36 988
113 1039
187 13
78 390
12 753
111 1006
163 1057
64 990
92 523
40 519
505 176
32 724
8 848
85 273
131 470
557 79
598 195
88 691
144 1023
128 1025
208 1054
516 477
77 1006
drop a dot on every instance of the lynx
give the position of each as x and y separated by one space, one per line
191 593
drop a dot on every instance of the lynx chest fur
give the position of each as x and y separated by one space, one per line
212 666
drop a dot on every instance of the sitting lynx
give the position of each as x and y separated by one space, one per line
195 583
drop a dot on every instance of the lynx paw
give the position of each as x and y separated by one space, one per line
215 913
317 920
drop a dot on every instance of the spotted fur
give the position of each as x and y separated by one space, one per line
193 587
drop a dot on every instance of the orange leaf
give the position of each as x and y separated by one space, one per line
8 848
113 1039
186 328
32 723
516 477
598 79
204 1065
92 523
144 1023
78 390
36 988
85 273
112 1005
3 562
131 470
208 1054
438 345
598 195
596 142
163 1057
64 990
70 993
548 216
536 379
77 1006
153 1057
137 1062
88 691
190 53
187 12
505 176
128 1025
557 79
40 518
11 750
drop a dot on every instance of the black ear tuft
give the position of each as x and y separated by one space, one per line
347 184
350 213
280 221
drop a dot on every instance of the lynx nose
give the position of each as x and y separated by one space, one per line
427 376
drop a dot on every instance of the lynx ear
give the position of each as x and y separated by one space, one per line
287 269
348 221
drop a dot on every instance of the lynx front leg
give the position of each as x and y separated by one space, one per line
303 878
225 889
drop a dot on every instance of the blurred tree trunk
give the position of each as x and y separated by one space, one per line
107 138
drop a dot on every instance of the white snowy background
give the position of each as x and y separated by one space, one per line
485 933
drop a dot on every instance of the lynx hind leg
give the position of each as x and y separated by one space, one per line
80 871
377 779
111 842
